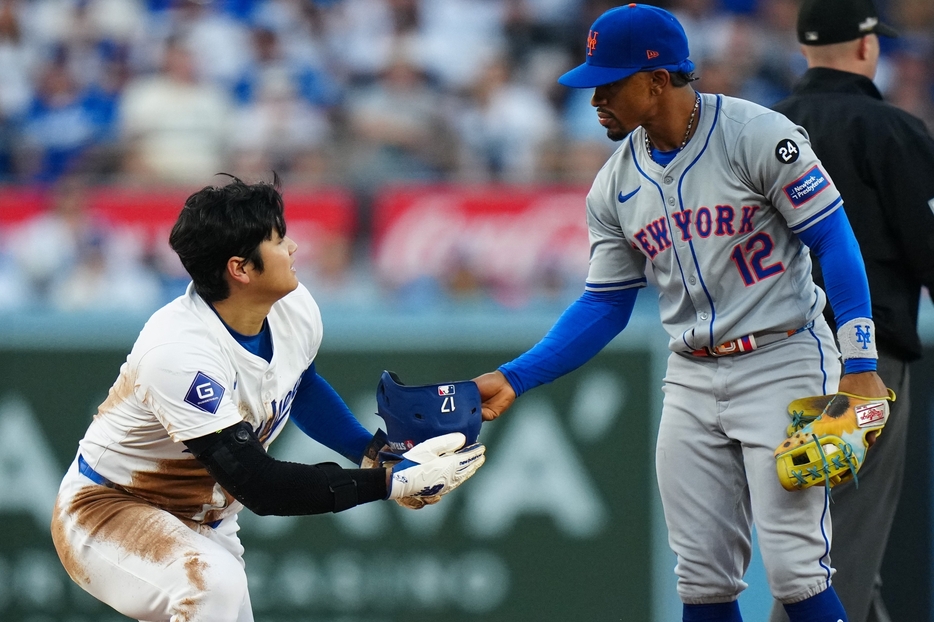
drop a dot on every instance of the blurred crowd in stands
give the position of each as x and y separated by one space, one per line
351 93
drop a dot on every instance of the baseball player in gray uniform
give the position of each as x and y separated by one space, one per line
721 199
146 516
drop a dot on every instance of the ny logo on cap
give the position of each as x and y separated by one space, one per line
591 42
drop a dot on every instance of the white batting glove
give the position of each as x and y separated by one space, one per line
411 503
435 467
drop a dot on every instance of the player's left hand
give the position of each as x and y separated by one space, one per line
435 467
830 435
376 455
409 503
867 384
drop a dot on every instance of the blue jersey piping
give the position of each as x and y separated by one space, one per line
713 309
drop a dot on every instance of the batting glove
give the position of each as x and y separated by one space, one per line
435 467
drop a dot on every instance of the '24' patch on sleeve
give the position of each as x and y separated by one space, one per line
205 393
806 187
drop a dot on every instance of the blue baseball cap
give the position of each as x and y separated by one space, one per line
627 40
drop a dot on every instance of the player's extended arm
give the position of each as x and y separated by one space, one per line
319 412
239 463
585 328
237 460
833 243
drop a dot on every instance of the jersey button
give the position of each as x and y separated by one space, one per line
703 315
692 280
671 200
269 375
669 179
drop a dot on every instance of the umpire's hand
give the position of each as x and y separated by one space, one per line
496 392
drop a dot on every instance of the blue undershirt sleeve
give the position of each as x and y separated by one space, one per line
833 243
320 413
585 327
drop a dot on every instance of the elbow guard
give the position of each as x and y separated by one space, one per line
240 464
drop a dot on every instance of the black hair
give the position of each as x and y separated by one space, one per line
220 222
682 78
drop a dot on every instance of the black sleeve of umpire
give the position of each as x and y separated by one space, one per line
240 464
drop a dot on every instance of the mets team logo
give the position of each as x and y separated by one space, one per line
591 42
863 335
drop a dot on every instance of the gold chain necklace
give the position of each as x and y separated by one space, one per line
687 132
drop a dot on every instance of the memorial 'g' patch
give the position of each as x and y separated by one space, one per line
806 187
205 393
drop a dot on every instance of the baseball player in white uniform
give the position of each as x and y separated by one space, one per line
721 199
146 517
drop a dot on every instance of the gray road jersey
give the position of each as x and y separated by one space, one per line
717 225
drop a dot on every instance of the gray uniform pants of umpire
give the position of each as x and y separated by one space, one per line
861 515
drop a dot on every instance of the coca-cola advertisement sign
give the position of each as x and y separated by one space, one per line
514 241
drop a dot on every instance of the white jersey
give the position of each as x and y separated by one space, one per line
185 377
717 225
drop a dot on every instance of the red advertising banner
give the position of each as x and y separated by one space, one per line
512 240
146 215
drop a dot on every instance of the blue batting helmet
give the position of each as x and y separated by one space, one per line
416 413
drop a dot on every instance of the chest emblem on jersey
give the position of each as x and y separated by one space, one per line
787 151
205 393
806 187
622 198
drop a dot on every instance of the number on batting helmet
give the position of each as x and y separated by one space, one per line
416 413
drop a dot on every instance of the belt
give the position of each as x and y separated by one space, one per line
85 469
750 342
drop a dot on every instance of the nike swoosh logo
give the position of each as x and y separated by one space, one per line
622 198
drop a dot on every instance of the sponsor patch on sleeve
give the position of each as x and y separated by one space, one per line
205 393
806 187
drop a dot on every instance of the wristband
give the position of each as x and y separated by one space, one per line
858 339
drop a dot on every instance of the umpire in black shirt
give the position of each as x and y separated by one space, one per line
882 160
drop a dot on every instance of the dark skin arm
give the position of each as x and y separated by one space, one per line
496 392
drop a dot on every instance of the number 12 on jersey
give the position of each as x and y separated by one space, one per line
757 248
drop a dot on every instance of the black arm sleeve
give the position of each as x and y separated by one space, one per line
240 464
